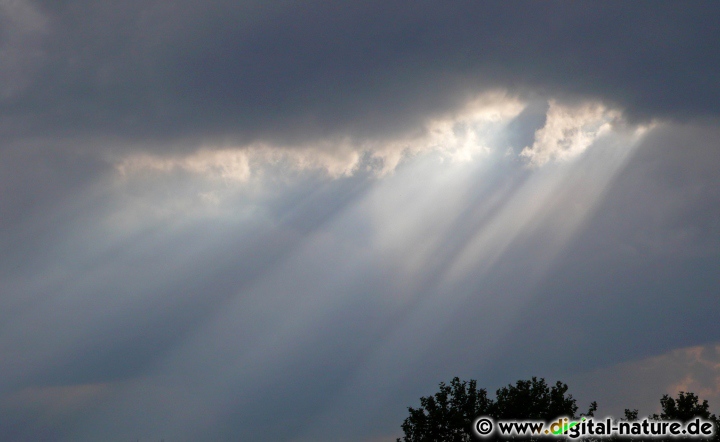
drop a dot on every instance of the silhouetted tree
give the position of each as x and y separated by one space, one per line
534 400
631 415
685 408
448 415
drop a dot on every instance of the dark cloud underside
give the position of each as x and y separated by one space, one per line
140 72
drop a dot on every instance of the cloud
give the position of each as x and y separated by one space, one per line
55 399
24 27
471 130
149 77
227 164
568 131
639 384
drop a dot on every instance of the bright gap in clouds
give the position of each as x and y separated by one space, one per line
458 137
274 276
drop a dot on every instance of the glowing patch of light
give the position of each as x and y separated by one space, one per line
459 136
556 199
569 130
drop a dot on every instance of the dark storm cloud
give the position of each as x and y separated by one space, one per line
144 73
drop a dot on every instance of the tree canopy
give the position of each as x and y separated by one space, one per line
686 407
448 415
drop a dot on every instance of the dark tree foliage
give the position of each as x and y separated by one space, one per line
631 415
685 408
448 415
533 400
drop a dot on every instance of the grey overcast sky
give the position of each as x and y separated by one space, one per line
287 221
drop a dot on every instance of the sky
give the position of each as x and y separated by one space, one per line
288 221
